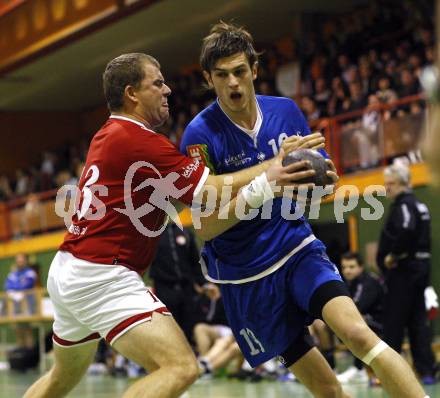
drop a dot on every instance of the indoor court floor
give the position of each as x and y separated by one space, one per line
13 385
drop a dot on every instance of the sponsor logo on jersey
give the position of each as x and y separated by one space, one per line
188 170
240 159
200 153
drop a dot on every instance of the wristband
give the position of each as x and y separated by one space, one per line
257 191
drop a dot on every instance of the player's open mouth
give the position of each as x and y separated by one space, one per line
235 96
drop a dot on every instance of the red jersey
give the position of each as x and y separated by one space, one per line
129 176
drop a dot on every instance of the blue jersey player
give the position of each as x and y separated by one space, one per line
274 274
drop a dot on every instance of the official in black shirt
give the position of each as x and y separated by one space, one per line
177 277
404 256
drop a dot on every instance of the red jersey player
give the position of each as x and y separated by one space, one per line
95 279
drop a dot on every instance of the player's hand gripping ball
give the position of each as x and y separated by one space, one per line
317 162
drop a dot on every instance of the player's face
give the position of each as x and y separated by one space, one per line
152 97
233 81
350 269
393 187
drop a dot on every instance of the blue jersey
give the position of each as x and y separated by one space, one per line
251 246
21 279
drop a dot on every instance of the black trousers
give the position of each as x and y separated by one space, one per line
184 303
405 310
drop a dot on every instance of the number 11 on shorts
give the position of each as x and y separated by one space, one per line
252 341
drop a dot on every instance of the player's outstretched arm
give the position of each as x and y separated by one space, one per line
211 222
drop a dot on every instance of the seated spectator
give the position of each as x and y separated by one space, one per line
21 183
5 189
357 99
216 346
392 73
338 97
408 83
385 93
265 88
322 94
416 108
366 137
287 78
311 111
367 293
373 58
47 171
367 80
345 66
215 343
324 339
21 278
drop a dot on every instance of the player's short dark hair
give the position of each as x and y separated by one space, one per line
224 40
353 256
120 72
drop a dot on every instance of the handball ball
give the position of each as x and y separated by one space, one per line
317 161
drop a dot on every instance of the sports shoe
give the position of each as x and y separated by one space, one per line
97 369
288 377
353 375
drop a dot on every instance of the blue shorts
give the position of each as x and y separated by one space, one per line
268 314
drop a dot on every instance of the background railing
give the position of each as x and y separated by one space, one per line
31 305
373 136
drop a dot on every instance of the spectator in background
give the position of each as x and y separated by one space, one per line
429 55
374 60
368 136
385 93
338 97
64 177
47 171
415 63
408 84
322 94
391 72
311 111
344 66
21 183
357 99
367 80
401 52
367 293
404 257
416 108
287 78
21 278
265 88
5 189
